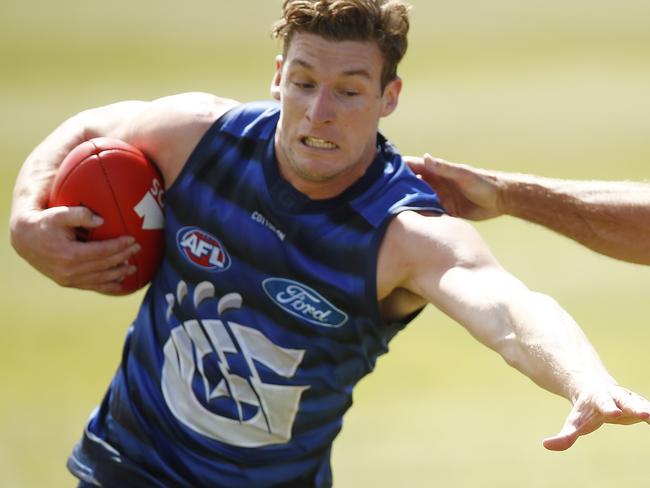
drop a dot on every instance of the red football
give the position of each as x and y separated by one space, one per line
117 182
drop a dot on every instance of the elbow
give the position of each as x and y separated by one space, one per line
16 223
18 229
12 232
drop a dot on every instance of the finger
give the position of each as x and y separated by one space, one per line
425 165
417 166
80 259
563 440
104 278
112 289
442 187
440 166
633 406
98 250
79 217
607 407
447 199
582 420
107 263
414 162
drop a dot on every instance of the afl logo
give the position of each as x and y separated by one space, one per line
202 249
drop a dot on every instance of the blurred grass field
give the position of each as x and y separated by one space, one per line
555 88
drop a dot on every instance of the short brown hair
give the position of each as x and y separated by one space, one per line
383 21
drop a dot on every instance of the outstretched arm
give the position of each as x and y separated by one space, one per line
444 260
166 130
612 218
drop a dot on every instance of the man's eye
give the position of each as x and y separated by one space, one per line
303 85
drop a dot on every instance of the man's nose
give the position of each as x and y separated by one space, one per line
321 108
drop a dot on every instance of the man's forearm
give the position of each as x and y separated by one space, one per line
38 171
530 330
612 218
547 345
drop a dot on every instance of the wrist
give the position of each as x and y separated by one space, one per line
520 195
506 189
585 386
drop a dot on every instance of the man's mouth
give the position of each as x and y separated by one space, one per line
317 143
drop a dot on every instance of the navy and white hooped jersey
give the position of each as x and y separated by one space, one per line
262 318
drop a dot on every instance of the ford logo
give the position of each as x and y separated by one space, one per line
303 302
202 249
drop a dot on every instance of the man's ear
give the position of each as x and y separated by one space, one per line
277 78
391 96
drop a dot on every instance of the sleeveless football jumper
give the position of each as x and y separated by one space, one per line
260 321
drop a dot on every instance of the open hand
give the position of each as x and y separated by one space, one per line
464 191
610 404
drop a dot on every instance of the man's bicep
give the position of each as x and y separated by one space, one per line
166 129
436 245
459 275
169 129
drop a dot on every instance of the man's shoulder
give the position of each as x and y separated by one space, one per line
417 225
170 127
406 247
252 119
178 110
395 190
420 240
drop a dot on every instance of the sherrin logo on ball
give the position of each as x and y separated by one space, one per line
202 249
303 302
116 181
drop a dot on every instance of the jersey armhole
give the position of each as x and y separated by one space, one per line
199 149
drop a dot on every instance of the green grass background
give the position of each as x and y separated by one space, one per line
554 87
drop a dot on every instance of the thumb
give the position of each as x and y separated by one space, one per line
563 439
81 217
440 167
416 164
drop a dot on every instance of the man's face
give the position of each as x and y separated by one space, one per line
331 102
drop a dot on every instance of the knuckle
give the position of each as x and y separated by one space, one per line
65 281
113 275
72 254
66 278
65 260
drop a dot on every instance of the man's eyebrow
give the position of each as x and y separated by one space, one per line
352 72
